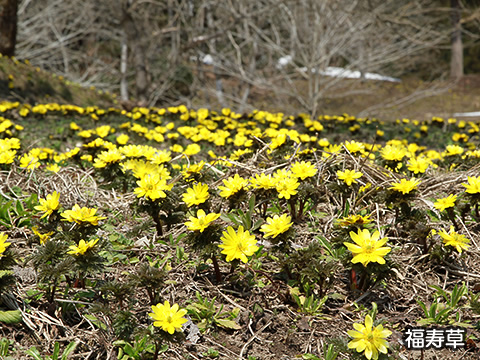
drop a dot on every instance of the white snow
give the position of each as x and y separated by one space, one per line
339 72
284 61
468 114
206 59
332 71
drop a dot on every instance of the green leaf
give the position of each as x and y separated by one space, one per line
33 352
129 350
23 222
424 322
4 273
202 325
326 245
443 315
11 316
310 357
96 322
19 208
56 351
251 204
257 224
68 350
31 201
229 324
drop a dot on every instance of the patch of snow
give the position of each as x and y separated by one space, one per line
206 59
284 61
468 114
339 72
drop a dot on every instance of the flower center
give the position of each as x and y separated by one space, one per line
369 248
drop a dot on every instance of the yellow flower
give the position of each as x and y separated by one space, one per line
364 188
168 318
452 150
43 237
152 186
53 168
87 157
332 149
276 225
354 220
444 203
349 176
192 149
108 157
97 143
103 131
369 339
202 221
367 248
238 245
49 205
354 146
278 141
196 195
85 133
473 186
286 187
405 186
177 148
82 247
160 157
418 165
7 156
303 169
122 139
262 181
29 161
82 215
393 152
454 239
3 243
193 169
232 186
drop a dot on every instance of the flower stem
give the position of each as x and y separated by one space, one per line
218 274
451 216
291 202
157 221
300 209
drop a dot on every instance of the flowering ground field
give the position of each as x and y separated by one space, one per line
189 234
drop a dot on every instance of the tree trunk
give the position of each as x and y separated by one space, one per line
8 26
134 39
123 69
456 61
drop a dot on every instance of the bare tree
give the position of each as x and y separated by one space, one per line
161 48
8 26
134 39
373 36
456 59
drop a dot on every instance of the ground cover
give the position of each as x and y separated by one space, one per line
273 233
276 235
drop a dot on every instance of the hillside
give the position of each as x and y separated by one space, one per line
19 81
177 233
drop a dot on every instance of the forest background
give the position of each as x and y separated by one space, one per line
269 54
